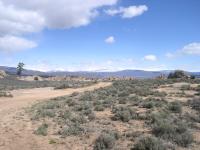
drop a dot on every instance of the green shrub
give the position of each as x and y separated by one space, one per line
148 104
183 139
73 129
99 108
78 119
74 94
172 130
195 104
91 116
5 94
177 74
198 88
123 94
42 130
123 113
86 97
186 87
36 78
63 86
175 107
104 142
122 101
149 143
47 113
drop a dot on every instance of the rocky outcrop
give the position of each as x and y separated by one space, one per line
2 74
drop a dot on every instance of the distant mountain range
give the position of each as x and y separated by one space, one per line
123 73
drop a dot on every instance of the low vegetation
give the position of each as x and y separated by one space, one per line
5 94
130 114
149 143
11 83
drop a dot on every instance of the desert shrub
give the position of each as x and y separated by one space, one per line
5 94
152 102
173 130
183 139
198 94
73 129
52 141
123 113
191 117
149 143
65 115
42 130
87 111
108 102
135 100
195 104
36 78
74 94
148 104
123 94
104 142
86 97
51 105
159 94
197 88
85 105
11 82
186 87
99 108
122 101
42 113
71 102
192 77
91 116
175 107
63 86
132 134
78 119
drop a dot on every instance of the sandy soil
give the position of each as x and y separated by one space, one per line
16 129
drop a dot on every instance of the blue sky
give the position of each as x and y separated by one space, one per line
101 36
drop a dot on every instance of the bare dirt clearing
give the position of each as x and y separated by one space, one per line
16 132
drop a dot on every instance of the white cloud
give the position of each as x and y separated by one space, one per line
191 49
19 18
13 43
110 40
169 55
150 58
109 65
60 14
129 12
18 21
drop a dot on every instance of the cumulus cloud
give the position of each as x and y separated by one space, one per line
13 43
110 40
17 21
150 58
191 49
60 14
128 12
19 17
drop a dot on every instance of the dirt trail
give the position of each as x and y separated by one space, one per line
16 130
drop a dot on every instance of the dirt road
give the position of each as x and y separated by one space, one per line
16 129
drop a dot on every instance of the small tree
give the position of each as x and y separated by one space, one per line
177 74
20 68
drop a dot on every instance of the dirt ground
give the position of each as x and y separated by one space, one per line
16 129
